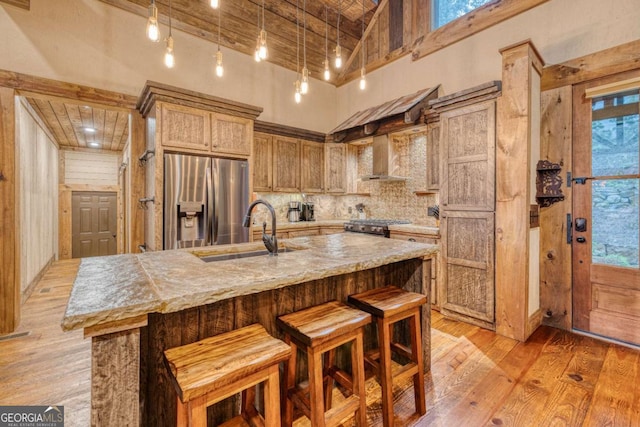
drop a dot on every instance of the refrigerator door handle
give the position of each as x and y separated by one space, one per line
209 202
215 191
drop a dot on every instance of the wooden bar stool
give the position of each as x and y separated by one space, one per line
319 331
389 305
208 371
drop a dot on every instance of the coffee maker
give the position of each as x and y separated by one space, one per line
293 214
307 213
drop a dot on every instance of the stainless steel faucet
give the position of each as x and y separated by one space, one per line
270 242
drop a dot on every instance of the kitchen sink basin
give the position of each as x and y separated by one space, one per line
238 255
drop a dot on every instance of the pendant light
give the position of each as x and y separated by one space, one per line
219 67
363 72
304 86
153 33
298 95
169 59
262 50
327 73
338 48
215 4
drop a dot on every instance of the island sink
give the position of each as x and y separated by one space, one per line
238 255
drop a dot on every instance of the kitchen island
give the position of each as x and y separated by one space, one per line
136 306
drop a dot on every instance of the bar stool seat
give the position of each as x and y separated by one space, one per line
318 331
389 305
208 371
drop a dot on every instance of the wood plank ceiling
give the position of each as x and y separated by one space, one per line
239 26
77 125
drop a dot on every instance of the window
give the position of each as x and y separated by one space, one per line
445 11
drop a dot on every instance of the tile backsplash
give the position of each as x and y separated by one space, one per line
387 199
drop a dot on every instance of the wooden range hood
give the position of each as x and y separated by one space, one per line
392 116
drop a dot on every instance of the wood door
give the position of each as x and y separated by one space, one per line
336 168
262 162
468 153
606 218
231 135
467 251
94 224
185 128
286 164
312 167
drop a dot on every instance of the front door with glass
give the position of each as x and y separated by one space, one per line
606 274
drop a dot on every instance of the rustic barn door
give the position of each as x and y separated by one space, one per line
467 204
606 274
94 224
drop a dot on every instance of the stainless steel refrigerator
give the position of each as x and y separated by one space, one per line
205 199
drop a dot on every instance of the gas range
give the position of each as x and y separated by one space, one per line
379 227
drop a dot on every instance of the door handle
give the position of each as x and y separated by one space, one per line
581 240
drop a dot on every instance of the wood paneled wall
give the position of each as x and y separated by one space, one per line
9 220
38 181
91 168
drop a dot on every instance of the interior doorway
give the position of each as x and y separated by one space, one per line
94 224
606 214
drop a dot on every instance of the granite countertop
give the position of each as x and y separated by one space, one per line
416 229
120 287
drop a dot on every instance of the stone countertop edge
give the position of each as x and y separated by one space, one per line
284 225
120 287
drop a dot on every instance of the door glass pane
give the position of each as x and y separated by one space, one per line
614 215
614 133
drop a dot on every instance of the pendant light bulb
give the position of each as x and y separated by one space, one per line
298 95
256 54
263 51
215 4
169 59
153 32
219 67
338 56
363 79
327 72
304 85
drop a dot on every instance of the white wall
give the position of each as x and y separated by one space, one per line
92 168
560 30
38 169
94 44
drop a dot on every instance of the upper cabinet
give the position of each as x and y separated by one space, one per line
312 166
185 127
286 164
468 145
231 135
336 168
262 162
433 157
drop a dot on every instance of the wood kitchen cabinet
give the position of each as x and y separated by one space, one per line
262 162
286 164
467 206
436 283
336 168
185 127
433 157
231 135
312 166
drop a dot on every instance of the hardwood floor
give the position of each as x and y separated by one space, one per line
477 377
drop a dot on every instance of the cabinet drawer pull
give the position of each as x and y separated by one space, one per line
411 239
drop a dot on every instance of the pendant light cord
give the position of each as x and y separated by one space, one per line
339 13
219 13
304 34
363 43
169 18
326 33
297 38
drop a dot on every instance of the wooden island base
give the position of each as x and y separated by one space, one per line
130 385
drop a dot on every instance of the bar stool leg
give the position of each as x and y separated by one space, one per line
316 396
358 377
289 382
182 413
416 352
271 400
329 361
386 383
198 412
